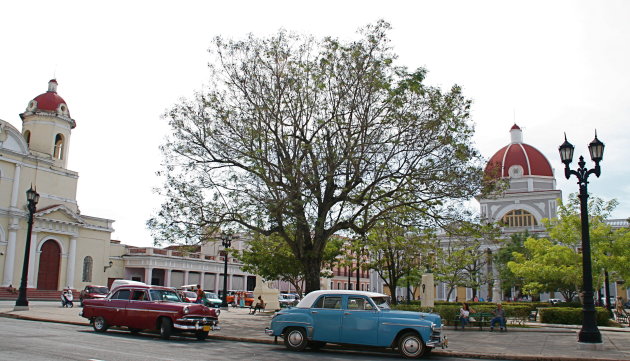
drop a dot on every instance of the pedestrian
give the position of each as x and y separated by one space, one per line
12 289
499 317
260 306
200 295
619 307
464 314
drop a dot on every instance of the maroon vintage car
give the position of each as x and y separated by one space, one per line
142 307
93 291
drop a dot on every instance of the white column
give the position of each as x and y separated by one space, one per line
186 277
216 282
148 275
31 263
230 281
201 277
72 263
167 277
9 260
16 186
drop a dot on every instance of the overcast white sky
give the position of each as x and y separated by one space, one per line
551 66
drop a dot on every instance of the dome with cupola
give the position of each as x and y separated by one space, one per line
49 102
518 159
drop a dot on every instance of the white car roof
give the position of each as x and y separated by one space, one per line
310 298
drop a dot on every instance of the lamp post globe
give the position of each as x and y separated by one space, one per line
32 198
589 333
226 242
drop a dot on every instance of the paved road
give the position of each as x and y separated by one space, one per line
44 341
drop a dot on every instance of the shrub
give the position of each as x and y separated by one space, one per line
570 315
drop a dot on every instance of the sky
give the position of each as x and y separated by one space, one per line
549 66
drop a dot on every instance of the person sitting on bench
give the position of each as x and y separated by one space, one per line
260 306
499 317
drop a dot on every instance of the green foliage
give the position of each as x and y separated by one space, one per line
307 138
449 312
554 264
505 254
462 254
571 316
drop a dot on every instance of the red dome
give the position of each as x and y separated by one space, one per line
533 162
50 100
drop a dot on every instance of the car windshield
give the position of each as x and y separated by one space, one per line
164 295
190 294
102 290
211 295
381 302
249 295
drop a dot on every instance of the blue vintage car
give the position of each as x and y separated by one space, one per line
359 318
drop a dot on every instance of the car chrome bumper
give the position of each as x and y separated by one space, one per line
438 341
186 325
268 331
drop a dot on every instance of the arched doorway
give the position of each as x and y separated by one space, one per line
49 261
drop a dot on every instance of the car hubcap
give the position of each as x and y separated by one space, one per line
99 323
411 346
295 338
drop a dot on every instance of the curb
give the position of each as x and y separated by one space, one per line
436 352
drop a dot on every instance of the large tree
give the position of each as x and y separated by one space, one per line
300 137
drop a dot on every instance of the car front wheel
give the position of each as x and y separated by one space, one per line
410 345
99 324
166 328
295 339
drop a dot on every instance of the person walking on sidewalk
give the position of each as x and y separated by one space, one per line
499 317
200 295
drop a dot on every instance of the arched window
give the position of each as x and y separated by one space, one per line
58 151
27 136
87 269
519 218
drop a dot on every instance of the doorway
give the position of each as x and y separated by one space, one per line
49 262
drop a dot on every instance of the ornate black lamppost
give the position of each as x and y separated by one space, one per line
589 332
32 197
226 242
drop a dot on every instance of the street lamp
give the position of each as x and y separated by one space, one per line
226 242
32 197
589 332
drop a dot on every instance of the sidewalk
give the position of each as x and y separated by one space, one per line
540 344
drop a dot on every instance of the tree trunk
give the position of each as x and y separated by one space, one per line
392 292
312 270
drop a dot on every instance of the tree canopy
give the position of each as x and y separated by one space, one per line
306 138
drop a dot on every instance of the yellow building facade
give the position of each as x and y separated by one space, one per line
68 249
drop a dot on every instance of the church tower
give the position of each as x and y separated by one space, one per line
47 125
532 192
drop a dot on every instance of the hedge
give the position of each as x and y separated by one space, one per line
449 311
571 315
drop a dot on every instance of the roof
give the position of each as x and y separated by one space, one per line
308 300
532 161
49 101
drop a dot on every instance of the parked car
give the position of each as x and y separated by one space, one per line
139 307
188 296
287 299
93 291
212 299
554 301
358 318
249 297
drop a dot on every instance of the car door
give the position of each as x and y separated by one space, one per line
359 324
326 314
138 313
116 306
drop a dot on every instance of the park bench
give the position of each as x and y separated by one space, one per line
480 319
621 318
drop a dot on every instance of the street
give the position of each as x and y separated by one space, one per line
45 341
